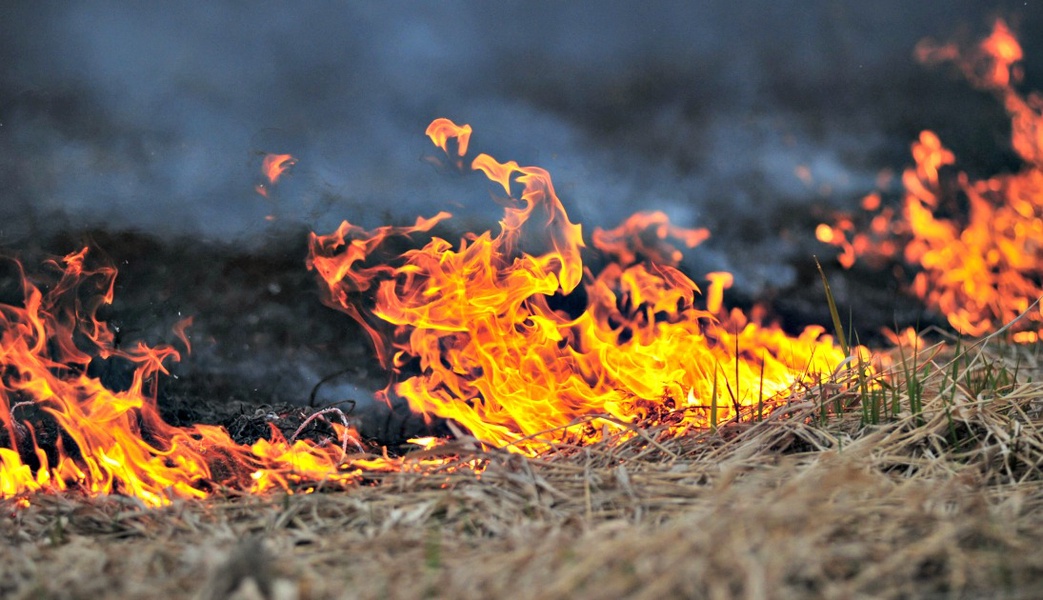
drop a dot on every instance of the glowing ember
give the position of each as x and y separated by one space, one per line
101 441
981 266
513 337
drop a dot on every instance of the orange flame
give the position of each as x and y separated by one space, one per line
272 167
442 130
627 243
979 244
61 429
1004 50
512 337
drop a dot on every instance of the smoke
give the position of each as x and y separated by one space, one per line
155 116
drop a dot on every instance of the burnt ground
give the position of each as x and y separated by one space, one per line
265 350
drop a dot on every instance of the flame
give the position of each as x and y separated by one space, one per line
442 130
627 243
510 336
719 281
61 429
978 244
273 166
991 65
513 337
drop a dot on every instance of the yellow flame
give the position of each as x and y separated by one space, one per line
512 337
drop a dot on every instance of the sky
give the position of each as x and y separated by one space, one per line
155 116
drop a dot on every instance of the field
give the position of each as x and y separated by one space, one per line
572 385
936 498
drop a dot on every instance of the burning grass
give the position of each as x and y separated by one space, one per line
974 244
511 336
943 500
618 439
515 336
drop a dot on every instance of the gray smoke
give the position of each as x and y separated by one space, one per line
154 116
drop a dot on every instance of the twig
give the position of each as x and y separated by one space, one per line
343 419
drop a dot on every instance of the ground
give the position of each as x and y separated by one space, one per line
818 500
791 507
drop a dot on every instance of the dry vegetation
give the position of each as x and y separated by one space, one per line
945 503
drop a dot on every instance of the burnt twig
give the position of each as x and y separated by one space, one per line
343 419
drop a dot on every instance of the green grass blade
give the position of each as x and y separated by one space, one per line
838 328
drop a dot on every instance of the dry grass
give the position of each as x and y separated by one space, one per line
947 503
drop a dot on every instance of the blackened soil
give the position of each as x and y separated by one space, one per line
264 349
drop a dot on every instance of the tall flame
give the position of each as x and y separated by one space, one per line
981 266
62 429
511 336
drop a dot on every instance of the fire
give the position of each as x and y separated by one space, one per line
512 336
61 429
981 266
272 167
628 241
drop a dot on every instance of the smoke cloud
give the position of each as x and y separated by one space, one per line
155 116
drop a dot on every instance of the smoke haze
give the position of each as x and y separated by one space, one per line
155 116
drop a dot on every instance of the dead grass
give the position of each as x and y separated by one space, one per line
947 503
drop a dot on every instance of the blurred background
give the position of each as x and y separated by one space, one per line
145 124
723 114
